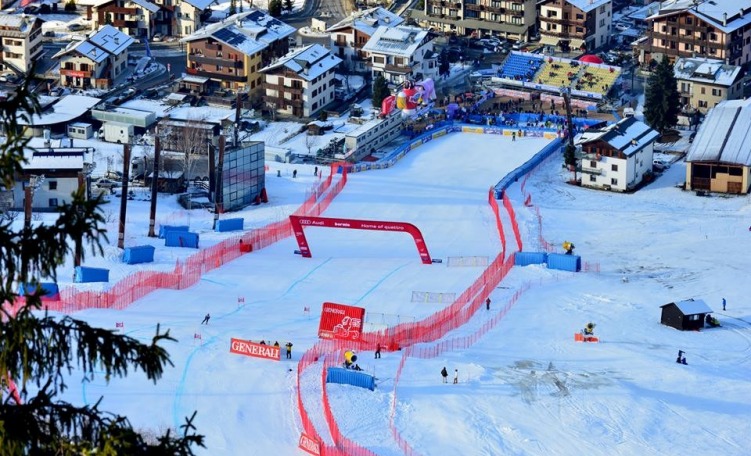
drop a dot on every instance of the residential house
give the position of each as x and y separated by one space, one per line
349 35
576 25
703 83
719 159
95 62
402 53
138 18
20 42
54 172
231 53
617 157
717 29
190 15
302 82
511 19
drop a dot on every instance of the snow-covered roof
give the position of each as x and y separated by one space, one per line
111 39
628 135
367 21
725 15
84 48
66 109
43 159
706 71
725 135
399 41
145 4
16 23
200 4
308 62
691 306
588 5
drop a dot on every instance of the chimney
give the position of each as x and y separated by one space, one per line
741 13
724 19
117 40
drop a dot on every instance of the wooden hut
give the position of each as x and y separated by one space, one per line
685 315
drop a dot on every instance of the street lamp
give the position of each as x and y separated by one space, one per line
34 183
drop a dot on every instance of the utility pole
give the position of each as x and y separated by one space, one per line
124 196
154 184
219 190
570 151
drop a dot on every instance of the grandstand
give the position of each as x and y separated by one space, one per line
556 73
521 67
597 79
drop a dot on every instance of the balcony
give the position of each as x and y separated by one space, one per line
280 88
122 23
198 58
281 103
565 35
119 10
216 75
473 7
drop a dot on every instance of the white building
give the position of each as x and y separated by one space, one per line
96 61
21 42
372 135
349 35
574 25
402 53
617 157
703 83
190 15
302 82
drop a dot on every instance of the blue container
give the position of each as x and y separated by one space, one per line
85 275
164 229
181 239
350 377
233 224
49 290
527 258
139 254
571 263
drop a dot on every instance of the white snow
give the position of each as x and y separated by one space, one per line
525 387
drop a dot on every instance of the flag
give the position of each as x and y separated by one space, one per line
148 49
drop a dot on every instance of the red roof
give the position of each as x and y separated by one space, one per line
591 58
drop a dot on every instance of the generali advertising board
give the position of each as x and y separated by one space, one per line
339 321
309 445
248 348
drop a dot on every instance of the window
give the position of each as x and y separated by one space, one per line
593 164
613 167
613 181
53 185
702 103
592 178
703 90
53 202
689 20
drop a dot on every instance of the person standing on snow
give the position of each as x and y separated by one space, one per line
487 303
378 351
289 350
456 376
445 374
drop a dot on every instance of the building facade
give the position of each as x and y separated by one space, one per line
617 157
56 173
20 42
95 62
302 82
717 29
231 53
719 159
352 33
510 19
576 25
138 18
190 15
402 54
704 83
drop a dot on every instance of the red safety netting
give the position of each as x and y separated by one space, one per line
514 224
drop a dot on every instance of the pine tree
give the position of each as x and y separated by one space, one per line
38 352
661 104
288 5
275 8
380 90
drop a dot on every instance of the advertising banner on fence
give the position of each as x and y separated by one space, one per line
339 321
248 348
309 445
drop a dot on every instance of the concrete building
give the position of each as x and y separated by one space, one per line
402 53
21 42
511 19
349 35
231 53
703 83
617 157
96 61
138 18
190 15
576 25
717 29
301 83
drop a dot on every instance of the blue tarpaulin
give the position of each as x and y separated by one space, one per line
49 290
85 275
527 258
181 239
139 254
164 229
233 224
350 377
571 263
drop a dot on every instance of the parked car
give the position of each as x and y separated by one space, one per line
659 164
75 27
107 183
157 37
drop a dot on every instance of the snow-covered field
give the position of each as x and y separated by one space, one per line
524 388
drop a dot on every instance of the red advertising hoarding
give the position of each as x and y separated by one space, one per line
309 445
339 321
248 348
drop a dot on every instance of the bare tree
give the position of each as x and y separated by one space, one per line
311 141
190 138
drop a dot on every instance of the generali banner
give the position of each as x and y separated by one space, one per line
248 348
339 321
